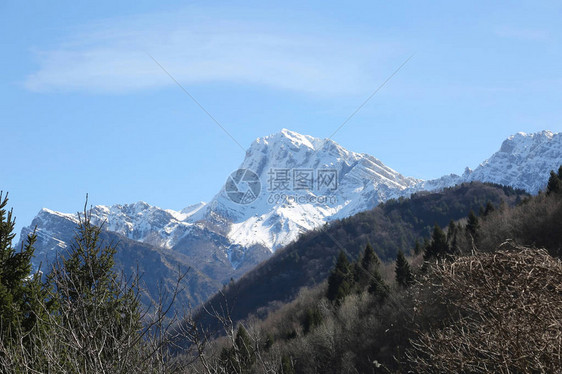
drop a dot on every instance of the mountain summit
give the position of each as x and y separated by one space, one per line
523 161
304 182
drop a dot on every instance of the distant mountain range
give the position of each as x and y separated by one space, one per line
287 184
523 161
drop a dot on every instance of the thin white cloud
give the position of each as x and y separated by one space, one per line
110 56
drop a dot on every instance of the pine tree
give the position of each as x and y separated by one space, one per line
489 208
244 350
417 248
22 295
101 309
339 281
403 272
481 211
426 244
363 269
438 247
452 231
554 182
378 287
312 318
472 225
241 356
369 258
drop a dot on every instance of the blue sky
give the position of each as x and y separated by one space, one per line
86 110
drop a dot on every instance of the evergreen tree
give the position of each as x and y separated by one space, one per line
339 281
403 272
438 247
22 295
365 267
481 211
244 350
554 182
489 208
417 248
472 225
370 258
241 356
286 365
312 318
101 309
452 231
378 287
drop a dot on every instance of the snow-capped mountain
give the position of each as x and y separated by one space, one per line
288 183
523 161
295 194
139 221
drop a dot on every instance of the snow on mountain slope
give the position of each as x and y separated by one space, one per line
145 223
523 161
288 205
139 221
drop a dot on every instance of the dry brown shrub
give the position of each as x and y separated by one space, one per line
504 314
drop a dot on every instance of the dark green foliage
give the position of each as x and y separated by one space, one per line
340 280
472 225
403 272
438 248
418 248
554 182
292 334
286 365
369 259
241 356
244 347
378 288
489 208
312 318
94 302
452 239
481 211
365 267
23 298
369 274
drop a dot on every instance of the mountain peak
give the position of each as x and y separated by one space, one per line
521 142
291 139
536 135
523 161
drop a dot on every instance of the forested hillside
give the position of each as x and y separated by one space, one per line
480 297
390 227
